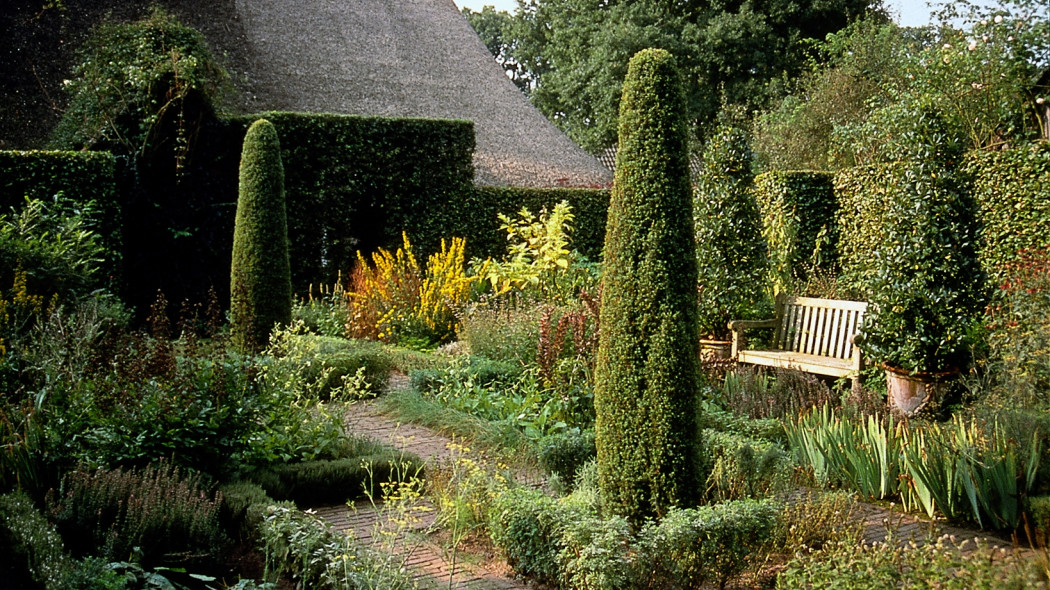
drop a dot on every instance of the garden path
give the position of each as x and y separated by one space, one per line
427 558
420 552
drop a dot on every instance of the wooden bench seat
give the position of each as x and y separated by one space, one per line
810 334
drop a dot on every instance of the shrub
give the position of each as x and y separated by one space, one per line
502 329
744 468
732 263
316 483
330 368
815 518
798 223
159 509
525 527
784 394
260 277
397 301
929 285
565 454
689 547
326 313
859 566
33 554
313 554
712 416
647 370
539 263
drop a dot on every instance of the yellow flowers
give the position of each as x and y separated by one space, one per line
393 299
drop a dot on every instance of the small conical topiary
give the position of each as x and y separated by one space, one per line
260 274
647 370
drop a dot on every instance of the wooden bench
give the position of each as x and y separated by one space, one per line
810 334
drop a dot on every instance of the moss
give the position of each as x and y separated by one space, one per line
648 356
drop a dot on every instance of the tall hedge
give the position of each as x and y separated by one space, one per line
732 261
260 274
647 369
85 177
590 207
864 194
355 183
1012 188
798 222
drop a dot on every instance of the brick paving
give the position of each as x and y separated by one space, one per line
428 559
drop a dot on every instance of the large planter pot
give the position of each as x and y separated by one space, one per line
715 350
909 393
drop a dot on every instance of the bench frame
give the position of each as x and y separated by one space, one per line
812 335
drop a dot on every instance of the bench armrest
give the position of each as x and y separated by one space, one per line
742 325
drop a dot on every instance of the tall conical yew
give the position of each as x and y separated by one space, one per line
647 369
260 274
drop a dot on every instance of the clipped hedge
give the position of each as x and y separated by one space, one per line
355 183
799 211
1012 189
86 177
864 194
590 206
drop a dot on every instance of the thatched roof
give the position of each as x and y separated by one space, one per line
414 58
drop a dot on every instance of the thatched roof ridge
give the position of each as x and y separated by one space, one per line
413 58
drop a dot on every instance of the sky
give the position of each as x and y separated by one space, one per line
912 13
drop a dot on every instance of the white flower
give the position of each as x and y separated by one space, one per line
984 38
1010 38
984 23
973 45
1039 100
998 19
947 45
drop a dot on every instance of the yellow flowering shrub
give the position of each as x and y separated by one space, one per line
394 300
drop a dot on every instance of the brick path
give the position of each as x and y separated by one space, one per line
428 560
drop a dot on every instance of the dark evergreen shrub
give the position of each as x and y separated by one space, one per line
730 250
564 454
647 371
928 290
260 275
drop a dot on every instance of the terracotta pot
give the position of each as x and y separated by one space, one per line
715 350
910 392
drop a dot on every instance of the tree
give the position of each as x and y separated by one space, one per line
495 27
260 274
647 368
576 53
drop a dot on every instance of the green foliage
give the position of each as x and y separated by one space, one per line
782 394
647 370
742 467
689 547
260 275
356 183
565 454
574 56
324 367
850 565
523 402
815 518
864 194
85 182
1013 202
589 209
136 81
327 482
565 543
309 551
161 510
929 286
502 329
731 251
799 211
1019 332
55 246
244 505
33 554
963 469
539 263
711 416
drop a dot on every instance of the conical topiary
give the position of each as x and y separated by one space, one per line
647 369
260 274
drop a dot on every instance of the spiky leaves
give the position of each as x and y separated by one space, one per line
260 275
648 357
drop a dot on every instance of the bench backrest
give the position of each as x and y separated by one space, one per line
817 326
